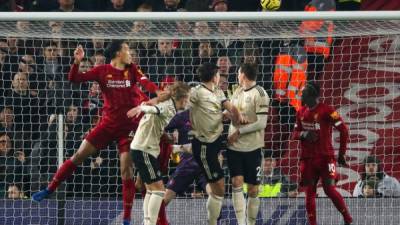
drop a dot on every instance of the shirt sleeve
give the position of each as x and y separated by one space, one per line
193 99
92 75
143 80
298 128
262 104
336 120
221 96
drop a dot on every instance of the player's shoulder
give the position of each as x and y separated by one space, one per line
103 67
261 91
326 107
258 92
302 110
329 111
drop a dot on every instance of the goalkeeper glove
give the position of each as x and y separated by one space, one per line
342 160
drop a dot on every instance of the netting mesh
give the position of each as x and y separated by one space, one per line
189 29
360 77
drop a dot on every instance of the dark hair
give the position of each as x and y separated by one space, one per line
113 47
314 88
249 70
207 71
372 159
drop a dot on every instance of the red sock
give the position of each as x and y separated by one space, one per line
65 171
128 194
162 216
338 201
311 194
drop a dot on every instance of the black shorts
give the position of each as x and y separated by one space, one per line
206 155
246 164
147 166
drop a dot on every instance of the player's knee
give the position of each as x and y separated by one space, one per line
218 188
237 181
311 191
139 186
156 186
329 189
169 195
126 172
252 191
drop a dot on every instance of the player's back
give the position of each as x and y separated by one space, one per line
151 128
317 120
206 113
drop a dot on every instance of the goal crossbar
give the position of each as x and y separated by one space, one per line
198 16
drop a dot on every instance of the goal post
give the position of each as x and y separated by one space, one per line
44 117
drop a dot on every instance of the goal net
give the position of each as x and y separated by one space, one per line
44 117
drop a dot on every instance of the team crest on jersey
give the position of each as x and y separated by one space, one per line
126 75
248 99
109 76
335 115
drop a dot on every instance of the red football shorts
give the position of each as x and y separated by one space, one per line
102 135
312 169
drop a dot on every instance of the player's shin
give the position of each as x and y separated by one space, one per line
128 194
239 204
311 194
64 172
146 219
155 201
338 201
162 215
214 205
253 205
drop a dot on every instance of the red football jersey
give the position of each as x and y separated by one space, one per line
320 119
119 90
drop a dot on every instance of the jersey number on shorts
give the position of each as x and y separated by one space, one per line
259 172
332 168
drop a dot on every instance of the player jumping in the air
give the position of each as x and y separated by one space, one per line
314 122
117 81
145 146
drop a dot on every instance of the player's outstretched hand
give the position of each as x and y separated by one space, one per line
79 54
342 160
134 112
309 135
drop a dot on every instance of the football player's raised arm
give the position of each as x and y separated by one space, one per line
75 76
144 80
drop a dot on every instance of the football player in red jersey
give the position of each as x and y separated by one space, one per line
117 82
314 122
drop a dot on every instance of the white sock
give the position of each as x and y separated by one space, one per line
239 204
253 204
154 205
214 205
146 218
